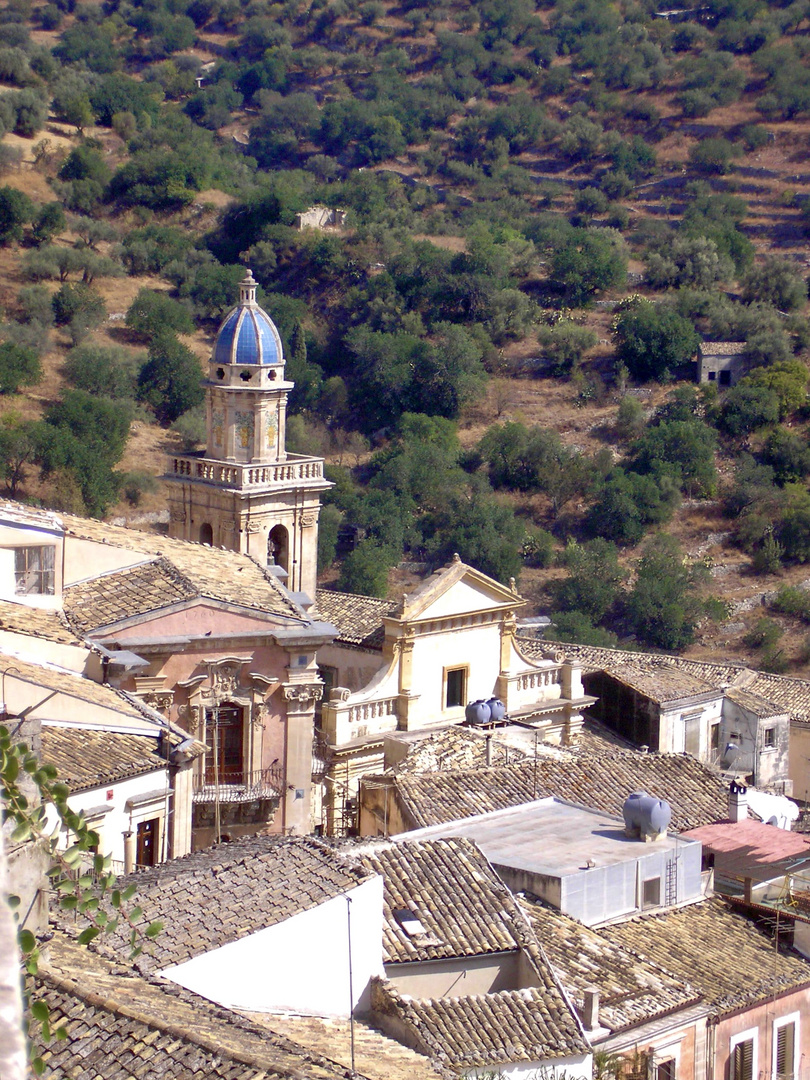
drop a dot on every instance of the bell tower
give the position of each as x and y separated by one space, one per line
245 492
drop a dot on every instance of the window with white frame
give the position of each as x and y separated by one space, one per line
742 1063
785 1040
34 572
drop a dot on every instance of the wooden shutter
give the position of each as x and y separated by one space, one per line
785 1037
742 1061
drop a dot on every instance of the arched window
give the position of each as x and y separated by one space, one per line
207 534
278 547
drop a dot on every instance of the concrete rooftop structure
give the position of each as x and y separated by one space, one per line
579 860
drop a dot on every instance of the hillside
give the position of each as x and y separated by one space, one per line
547 207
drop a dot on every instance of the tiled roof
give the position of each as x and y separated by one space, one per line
464 907
358 618
105 600
487 1029
227 576
632 990
87 759
752 847
36 622
722 348
120 1026
74 686
716 950
601 780
753 702
787 694
210 898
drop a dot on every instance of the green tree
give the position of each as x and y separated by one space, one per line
85 436
171 379
19 366
576 626
663 608
788 455
564 343
16 210
594 579
104 371
652 340
682 450
329 522
628 503
48 222
586 262
365 570
154 313
747 408
17 449
785 378
478 528
776 281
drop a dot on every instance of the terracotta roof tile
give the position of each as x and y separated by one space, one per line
787 694
463 905
359 619
717 950
600 780
108 599
36 622
87 759
632 989
488 1029
120 1026
209 898
227 576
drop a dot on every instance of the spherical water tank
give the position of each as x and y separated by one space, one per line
645 814
497 709
477 712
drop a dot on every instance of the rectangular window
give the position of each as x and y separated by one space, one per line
714 736
785 1051
651 893
34 571
770 736
742 1061
665 1070
455 692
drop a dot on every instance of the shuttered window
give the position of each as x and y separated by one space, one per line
742 1061
785 1043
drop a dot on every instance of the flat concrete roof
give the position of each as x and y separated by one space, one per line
549 837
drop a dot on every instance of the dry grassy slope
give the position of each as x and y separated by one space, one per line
768 179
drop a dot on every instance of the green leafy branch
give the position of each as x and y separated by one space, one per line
80 878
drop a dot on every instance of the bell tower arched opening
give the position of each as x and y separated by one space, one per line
278 548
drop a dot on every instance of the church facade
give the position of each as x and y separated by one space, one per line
246 493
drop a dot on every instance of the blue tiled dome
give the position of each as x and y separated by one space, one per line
248 334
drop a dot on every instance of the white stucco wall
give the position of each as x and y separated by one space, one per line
112 825
569 1068
300 965
672 731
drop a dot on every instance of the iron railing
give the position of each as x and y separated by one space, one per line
244 787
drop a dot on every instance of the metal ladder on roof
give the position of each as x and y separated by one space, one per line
671 883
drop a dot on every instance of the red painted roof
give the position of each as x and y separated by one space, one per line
747 845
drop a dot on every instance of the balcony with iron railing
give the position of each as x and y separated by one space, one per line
297 469
236 786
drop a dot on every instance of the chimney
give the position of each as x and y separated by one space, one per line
590 1008
737 802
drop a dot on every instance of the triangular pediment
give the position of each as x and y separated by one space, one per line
458 590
